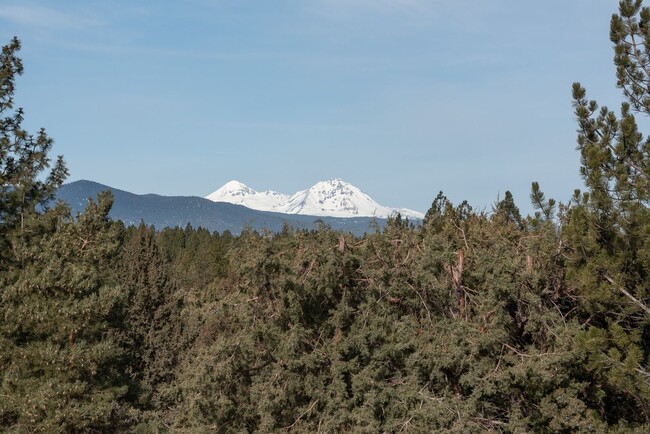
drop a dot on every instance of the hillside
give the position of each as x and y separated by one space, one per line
171 211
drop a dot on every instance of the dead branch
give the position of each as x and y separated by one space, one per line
636 301
302 415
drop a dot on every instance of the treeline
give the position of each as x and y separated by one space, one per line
470 322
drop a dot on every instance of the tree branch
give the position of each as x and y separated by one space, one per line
636 301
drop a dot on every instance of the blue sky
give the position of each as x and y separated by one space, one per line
402 98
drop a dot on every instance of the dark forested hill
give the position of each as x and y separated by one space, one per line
171 211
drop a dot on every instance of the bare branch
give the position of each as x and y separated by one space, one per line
636 301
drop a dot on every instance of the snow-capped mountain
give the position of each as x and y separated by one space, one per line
333 198
240 194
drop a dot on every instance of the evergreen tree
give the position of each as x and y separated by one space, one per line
507 212
607 232
60 368
152 319
24 187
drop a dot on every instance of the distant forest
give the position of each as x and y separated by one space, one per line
484 321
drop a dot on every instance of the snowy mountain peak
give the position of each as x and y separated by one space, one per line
240 194
333 185
334 198
331 198
231 190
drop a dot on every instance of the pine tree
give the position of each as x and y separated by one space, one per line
506 211
61 370
152 318
24 187
607 231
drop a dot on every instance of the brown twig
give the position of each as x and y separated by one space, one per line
302 415
628 295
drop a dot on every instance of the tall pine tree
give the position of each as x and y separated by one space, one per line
607 231
60 368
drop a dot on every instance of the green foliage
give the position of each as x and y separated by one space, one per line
629 33
605 232
469 322
23 157
507 212
151 323
60 364
546 207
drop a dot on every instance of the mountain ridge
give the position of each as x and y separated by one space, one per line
332 198
178 211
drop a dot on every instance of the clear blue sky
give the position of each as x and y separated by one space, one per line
402 98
